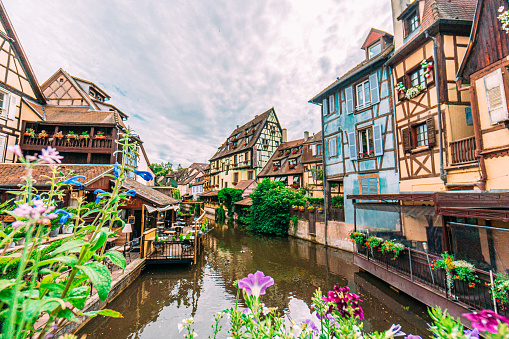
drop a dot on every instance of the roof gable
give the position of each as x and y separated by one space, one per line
280 155
61 89
486 24
17 72
374 35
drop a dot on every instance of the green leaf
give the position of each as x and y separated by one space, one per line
6 283
53 287
100 277
66 246
105 312
116 258
78 296
101 239
68 260
67 314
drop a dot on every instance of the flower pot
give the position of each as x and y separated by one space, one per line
301 208
68 230
401 95
54 232
100 137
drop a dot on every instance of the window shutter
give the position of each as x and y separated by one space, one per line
5 106
495 96
3 140
313 150
352 145
332 147
325 107
375 89
407 140
430 126
349 100
373 185
377 139
12 106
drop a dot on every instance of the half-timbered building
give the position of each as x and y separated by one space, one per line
435 146
246 151
20 94
312 165
358 129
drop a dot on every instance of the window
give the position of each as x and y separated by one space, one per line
265 141
421 135
296 180
374 50
363 95
319 149
368 185
250 175
417 78
468 116
333 149
332 104
235 159
276 163
235 177
3 142
366 142
292 163
412 22
277 143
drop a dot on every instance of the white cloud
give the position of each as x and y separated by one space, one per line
188 72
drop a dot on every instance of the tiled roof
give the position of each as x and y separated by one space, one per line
37 108
260 119
242 185
208 194
94 85
148 193
80 114
284 169
199 166
435 10
374 35
245 202
11 175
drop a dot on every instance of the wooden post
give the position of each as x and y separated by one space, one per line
195 240
142 243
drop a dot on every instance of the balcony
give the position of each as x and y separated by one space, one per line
94 144
463 151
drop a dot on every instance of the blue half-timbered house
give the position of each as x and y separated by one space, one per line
358 128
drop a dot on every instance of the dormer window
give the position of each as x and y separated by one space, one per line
412 21
374 50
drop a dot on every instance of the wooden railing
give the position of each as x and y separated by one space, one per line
62 143
462 151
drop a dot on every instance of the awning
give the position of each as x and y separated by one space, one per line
151 209
409 210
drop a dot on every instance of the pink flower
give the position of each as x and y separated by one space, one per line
17 224
486 320
15 149
50 156
256 284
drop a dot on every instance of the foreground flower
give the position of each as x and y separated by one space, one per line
472 334
16 150
65 216
50 156
147 176
37 212
309 324
486 320
255 284
73 181
394 331
130 193
345 302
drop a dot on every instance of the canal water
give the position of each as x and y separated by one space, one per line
161 297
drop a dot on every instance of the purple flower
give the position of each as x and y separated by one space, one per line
50 156
73 181
344 302
17 224
147 176
472 334
255 284
16 150
411 336
36 212
308 323
486 320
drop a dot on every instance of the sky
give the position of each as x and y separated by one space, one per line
188 72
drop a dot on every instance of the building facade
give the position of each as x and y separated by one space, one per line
312 165
246 151
358 128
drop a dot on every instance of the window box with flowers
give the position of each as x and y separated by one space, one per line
281 153
311 208
295 186
401 91
367 154
42 134
295 150
275 168
292 166
427 67
287 152
413 92
84 135
504 18
71 135
100 135
58 135
30 132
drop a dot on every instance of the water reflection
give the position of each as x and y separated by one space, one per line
161 297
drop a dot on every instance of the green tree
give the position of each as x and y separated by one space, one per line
161 169
176 194
229 196
271 203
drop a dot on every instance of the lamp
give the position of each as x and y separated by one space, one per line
127 229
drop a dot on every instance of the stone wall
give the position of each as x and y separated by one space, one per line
337 233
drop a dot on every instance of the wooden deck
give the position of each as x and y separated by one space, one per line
171 252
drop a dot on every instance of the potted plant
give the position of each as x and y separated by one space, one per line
311 208
500 288
84 135
58 135
295 186
100 135
281 153
30 132
71 135
301 208
391 246
291 166
295 151
275 168
295 208
428 71
413 92
357 237
42 134
287 152
400 90
374 242
456 270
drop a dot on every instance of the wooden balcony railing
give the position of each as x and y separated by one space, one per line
106 144
462 151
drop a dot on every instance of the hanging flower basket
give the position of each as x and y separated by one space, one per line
71 135
30 132
413 92
42 134
58 135
301 208
295 208
311 208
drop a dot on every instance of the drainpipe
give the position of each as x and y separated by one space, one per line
324 180
443 175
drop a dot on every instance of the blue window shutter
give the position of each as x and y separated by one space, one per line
325 107
349 100
377 139
352 145
373 186
339 145
375 88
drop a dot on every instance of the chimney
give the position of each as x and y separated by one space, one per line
285 133
306 135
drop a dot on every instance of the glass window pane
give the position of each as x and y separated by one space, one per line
367 95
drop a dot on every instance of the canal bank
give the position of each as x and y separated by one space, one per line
154 304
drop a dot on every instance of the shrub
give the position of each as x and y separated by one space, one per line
269 211
316 201
219 214
337 201
229 196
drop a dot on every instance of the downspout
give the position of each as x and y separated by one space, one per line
443 175
324 180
